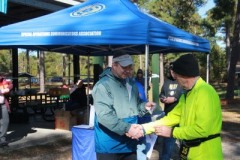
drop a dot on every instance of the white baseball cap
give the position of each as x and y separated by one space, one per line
123 60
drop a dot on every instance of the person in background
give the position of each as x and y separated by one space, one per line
117 106
64 85
5 88
198 114
169 95
139 78
141 92
78 97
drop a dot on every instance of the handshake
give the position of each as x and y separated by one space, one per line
136 131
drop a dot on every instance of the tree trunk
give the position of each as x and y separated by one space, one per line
76 68
234 56
28 61
228 48
42 71
64 66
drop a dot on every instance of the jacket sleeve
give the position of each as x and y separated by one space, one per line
103 103
172 119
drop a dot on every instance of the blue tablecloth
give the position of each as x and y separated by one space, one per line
83 145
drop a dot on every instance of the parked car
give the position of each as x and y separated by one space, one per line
33 80
85 80
57 79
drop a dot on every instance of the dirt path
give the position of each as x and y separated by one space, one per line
231 123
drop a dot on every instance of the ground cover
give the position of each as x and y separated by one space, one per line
61 149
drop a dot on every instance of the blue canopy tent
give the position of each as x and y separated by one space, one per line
97 28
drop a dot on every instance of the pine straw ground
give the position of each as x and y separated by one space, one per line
61 150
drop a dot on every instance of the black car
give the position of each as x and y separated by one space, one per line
57 79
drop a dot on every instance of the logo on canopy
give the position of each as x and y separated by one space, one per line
88 10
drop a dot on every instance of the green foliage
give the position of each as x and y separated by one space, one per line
139 63
5 61
217 64
84 66
53 64
22 63
183 14
224 9
222 15
209 27
176 12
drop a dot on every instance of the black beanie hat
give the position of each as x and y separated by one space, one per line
186 65
140 71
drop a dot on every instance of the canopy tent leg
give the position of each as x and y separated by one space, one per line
208 67
146 69
161 70
88 84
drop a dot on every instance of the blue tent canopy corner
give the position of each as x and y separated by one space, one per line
99 27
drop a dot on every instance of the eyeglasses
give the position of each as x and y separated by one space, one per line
127 68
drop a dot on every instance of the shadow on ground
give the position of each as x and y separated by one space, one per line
19 129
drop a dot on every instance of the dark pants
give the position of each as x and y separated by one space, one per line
117 156
168 147
70 106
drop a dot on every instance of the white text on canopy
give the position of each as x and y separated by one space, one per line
48 34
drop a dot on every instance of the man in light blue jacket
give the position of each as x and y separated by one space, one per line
117 105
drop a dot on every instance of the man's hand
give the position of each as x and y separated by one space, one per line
164 131
135 131
150 106
168 100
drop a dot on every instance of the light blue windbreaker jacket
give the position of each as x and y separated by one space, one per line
115 110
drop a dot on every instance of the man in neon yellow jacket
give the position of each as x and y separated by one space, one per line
197 117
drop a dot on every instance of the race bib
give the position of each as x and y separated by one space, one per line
184 149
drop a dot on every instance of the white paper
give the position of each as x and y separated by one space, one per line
152 109
91 116
151 139
84 126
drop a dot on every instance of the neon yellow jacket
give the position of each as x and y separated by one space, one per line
198 115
